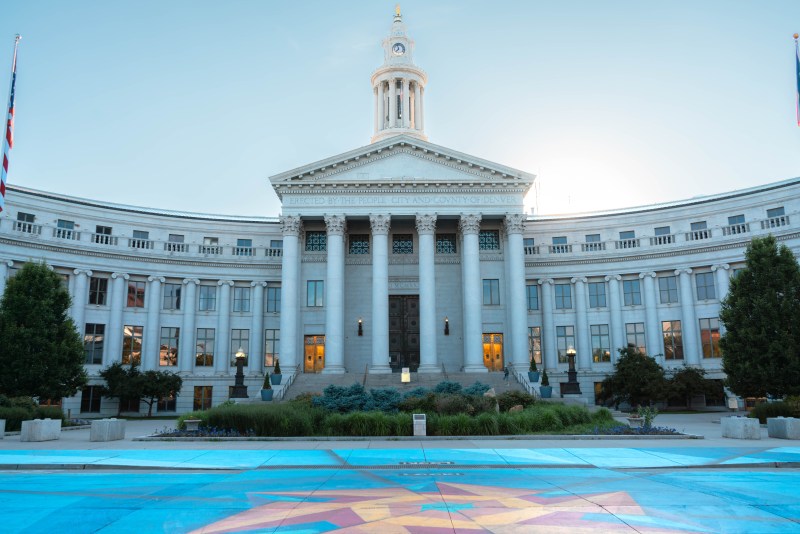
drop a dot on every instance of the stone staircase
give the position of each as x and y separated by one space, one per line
315 383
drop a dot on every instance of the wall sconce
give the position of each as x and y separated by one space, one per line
446 326
360 327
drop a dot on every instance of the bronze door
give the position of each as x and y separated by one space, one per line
314 354
403 332
493 351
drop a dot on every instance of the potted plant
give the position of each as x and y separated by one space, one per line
266 390
545 390
276 373
533 371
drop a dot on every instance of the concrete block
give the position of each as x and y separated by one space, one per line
192 424
40 430
783 427
740 428
2 428
107 430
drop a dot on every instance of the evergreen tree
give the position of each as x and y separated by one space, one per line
761 315
41 354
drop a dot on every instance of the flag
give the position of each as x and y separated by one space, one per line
8 140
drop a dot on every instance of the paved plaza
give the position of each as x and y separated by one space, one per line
414 486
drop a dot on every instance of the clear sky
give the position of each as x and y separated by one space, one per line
192 105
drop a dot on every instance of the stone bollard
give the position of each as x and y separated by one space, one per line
740 428
40 430
2 428
107 430
783 427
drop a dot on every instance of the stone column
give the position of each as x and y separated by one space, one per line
652 327
334 296
470 226
618 339
392 104
549 356
518 309
380 293
691 341
722 275
290 268
375 106
187 351
5 265
421 108
381 104
404 99
222 352
119 292
255 356
426 230
417 100
584 348
80 298
152 333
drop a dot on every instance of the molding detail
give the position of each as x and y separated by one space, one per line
426 224
679 272
380 224
188 281
514 223
651 274
124 276
291 225
581 279
723 266
548 281
613 277
469 223
159 279
228 283
87 272
335 224
258 283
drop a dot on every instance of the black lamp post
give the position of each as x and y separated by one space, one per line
571 386
239 389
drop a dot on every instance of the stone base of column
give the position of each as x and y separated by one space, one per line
334 370
480 368
380 370
576 398
430 369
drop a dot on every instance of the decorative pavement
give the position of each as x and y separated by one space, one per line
560 490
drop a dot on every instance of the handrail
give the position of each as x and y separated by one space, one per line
281 393
444 371
366 370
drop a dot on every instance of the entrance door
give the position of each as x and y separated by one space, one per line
314 354
403 332
493 351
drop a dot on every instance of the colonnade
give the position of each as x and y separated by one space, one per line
411 111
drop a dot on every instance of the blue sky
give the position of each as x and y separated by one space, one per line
192 105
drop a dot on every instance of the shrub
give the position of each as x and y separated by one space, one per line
601 415
48 412
771 409
452 404
342 399
422 404
508 399
416 392
304 399
447 387
14 417
385 400
487 425
477 388
794 404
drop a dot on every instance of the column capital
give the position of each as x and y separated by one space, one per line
547 281
291 225
613 277
679 272
9 263
335 224
258 283
380 224
651 274
156 279
723 266
124 276
470 223
86 272
188 281
581 279
426 223
228 283
514 223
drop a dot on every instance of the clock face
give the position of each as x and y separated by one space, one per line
398 49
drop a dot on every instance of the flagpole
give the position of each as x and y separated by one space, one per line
797 74
8 139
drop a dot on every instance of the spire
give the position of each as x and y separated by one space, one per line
398 87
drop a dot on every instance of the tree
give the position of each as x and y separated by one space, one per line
158 385
122 382
637 380
41 354
690 381
761 315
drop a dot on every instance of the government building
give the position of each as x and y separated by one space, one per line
399 254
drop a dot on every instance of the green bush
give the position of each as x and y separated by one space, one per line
14 417
794 404
304 399
766 410
602 415
384 400
417 392
342 399
509 399
425 403
478 388
15 410
447 387
48 412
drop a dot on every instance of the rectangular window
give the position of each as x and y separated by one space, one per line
136 294
634 333
168 353
93 343
175 243
563 296
315 291
668 289
130 405
102 236
359 244
705 286
65 229
535 344
699 225
241 299
709 336
673 342
597 294
172 296
167 404
316 241
489 240
276 244
141 234
491 292
208 298
627 234
90 399
445 243
29 217
240 339
402 244
273 299
662 230
592 238
141 239
631 292
532 292
132 344
601 346
272 346
529 245
204 355
771 213
735 219
565 339
210 246
244 247
202 397
98 290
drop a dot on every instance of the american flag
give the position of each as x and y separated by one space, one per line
8 140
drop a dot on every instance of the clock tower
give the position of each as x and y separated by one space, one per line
398 87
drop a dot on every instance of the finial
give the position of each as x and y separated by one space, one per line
795 35
17 38
397 15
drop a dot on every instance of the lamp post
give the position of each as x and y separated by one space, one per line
239 389
571 386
